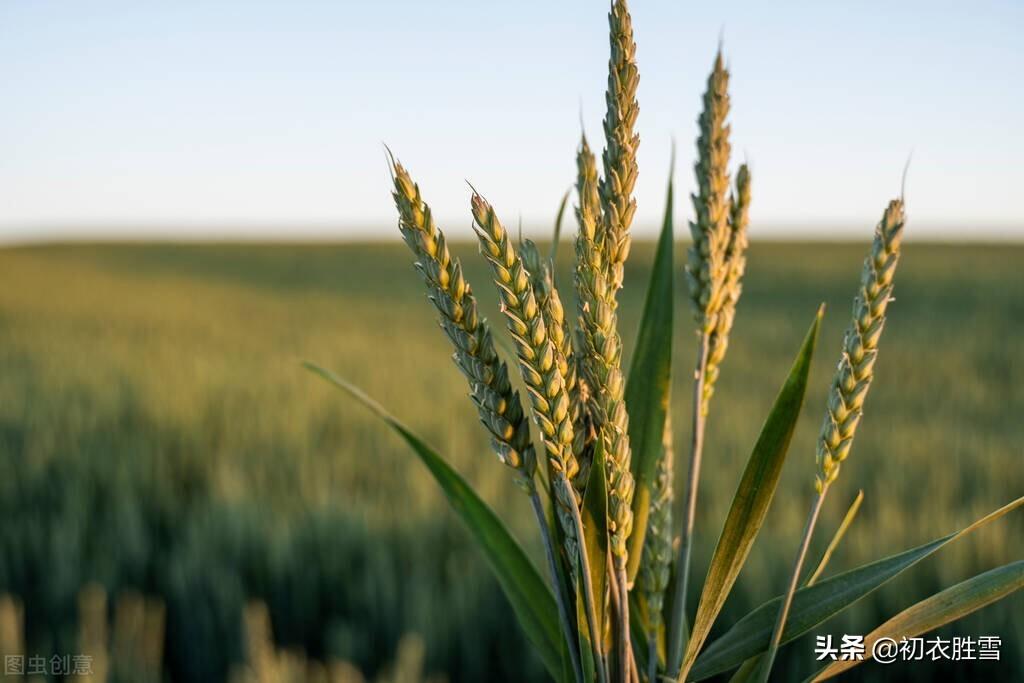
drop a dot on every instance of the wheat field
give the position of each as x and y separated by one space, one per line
158 432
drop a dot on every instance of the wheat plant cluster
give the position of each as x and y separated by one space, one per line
594 450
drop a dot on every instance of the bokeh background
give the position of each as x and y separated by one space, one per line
157 433
193 200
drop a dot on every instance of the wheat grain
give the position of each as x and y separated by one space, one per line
621 142
860 347
706 267
732 285
497 402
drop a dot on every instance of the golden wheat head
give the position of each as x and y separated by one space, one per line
497 402
860 347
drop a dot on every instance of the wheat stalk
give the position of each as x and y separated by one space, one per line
601 347
732 287
621 142
498 404
545 381
707 269
849 387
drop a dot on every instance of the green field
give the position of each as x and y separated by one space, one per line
158 432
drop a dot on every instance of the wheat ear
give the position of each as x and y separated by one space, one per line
621 142
706 272
538 361
706 268
538 357
860 347
602 369
602 351
732 285
849 388
589 219
497 402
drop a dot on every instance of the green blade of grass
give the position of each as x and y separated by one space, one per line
939 610
649 384
814 604
530 597
851 514
753 498
556 236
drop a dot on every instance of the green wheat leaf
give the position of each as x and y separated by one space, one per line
939 610
814 604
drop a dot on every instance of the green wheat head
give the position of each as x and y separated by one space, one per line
707 268
860 347
732 285
620 167
538 359
497 402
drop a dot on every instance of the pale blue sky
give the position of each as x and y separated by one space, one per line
143 118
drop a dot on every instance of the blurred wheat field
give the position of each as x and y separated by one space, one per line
158 433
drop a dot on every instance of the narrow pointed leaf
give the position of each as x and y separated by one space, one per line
753 497
939 610
649 383
530 597
851 514
748 671
814 604
558 227
595 528
585 643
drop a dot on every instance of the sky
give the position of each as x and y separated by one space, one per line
268 119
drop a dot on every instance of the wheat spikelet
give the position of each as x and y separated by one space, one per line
732 286
621 142
601 348
860 347
538 360
706 268
497 402
655 563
